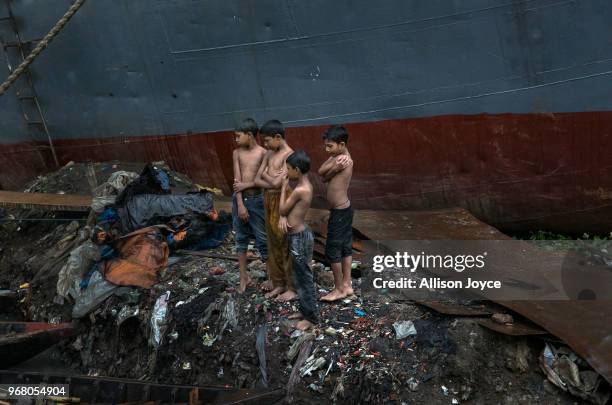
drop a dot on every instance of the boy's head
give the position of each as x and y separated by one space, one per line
335 139
244 131
298 163
273 133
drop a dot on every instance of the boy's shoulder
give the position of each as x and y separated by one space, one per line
304 189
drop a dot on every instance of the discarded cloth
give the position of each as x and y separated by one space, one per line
140 255
152 180
77 265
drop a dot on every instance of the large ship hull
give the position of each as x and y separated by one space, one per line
500 107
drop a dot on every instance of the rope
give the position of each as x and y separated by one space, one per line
41 46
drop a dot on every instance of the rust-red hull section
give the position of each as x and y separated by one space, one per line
531 171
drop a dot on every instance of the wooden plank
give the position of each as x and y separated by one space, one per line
52 202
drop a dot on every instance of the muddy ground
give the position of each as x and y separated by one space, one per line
211 331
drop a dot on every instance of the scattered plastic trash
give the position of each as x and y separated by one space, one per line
413 384
295 347
330 331
260 345
444 390
97 291
312 365
79 262
158 318
404 329
570 373
186 366
208 340
359 312
126 313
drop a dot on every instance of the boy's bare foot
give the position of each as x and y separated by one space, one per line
295 315
267 285
274 292
304 325
348 291
288 295
244 283
335 295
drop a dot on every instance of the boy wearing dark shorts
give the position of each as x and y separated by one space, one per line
336 173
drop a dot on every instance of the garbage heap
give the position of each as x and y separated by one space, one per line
149 278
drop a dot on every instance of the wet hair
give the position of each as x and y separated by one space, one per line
336 133
272 128
300 160
248 125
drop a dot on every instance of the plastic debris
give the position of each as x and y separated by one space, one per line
413 384
404 329
316 388
312 365
296 333
359 312
444 390
295 347
562 369
78 264
208 340
97 291
260 345
186 366
158 318
126 313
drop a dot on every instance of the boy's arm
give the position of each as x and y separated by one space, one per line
240 185
338 165
326 166
242 211
259 181
287 203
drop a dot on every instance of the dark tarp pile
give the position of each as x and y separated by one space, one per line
138 220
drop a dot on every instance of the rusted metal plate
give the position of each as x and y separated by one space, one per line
484 163
21 340
583 325
450 308
513 329
53 202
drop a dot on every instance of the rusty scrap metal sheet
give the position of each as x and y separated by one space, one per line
516 328
450 308
583 325
53 202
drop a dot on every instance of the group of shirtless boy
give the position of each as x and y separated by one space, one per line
268 208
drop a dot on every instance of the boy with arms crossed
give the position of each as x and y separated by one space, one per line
301 241
247 202
336 173
270 176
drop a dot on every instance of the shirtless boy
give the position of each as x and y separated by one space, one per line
301 240
247 202
269 177
336 173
